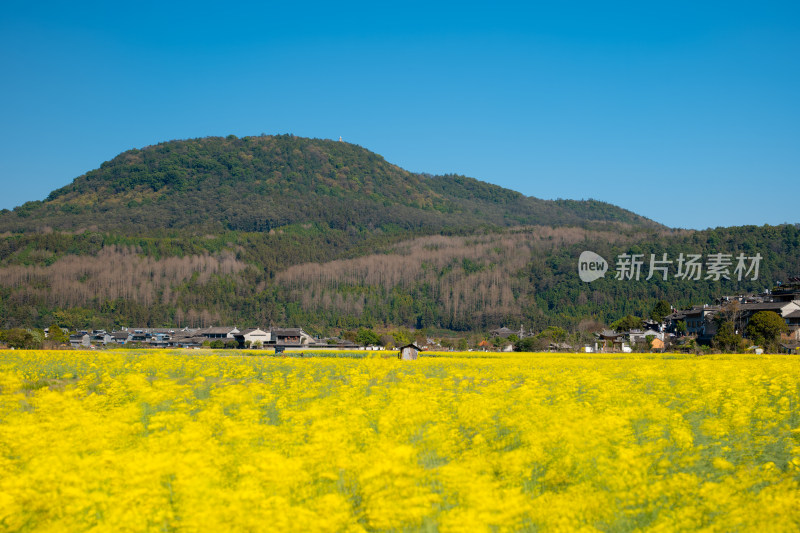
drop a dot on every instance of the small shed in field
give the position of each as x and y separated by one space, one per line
409 352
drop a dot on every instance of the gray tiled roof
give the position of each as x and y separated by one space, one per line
293 332
764 306
217 330
250 330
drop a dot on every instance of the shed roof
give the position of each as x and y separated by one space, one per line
412 345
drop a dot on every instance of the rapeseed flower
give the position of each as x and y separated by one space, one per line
168 440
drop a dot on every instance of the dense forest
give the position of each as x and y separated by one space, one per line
256 184
290 231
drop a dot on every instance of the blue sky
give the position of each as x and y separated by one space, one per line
685 112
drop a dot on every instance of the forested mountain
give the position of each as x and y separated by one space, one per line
291 231
256 184
528 276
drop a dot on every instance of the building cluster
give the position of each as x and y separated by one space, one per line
699 323
702 322
623 341
276 338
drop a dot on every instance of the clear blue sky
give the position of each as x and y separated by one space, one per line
685 112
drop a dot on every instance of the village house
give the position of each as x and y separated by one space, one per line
251 336
120 337
637 335
699 321
792 347
155 337
787 292
187 338
702 321
81 339
788 310
793 321
138 336
291 337
503 332
214 333
610 341
98 337
159 340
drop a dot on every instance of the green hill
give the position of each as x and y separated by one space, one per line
256 184
283 230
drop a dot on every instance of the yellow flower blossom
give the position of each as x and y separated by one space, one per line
171 440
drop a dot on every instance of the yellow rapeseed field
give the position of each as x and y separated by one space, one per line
161 441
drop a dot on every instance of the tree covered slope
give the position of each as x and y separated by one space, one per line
260 183
282 230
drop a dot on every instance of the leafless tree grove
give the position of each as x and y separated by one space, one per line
466 274
115 272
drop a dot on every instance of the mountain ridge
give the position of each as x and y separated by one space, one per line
283 230
260 183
